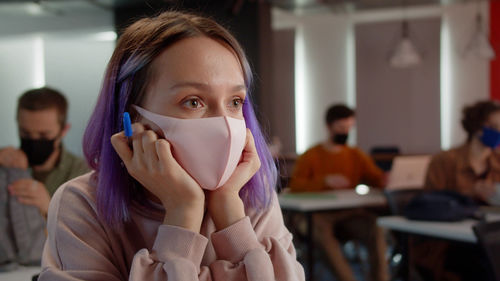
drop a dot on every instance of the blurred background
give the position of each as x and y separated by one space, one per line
408 67
306 54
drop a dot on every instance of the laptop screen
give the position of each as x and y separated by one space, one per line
408 171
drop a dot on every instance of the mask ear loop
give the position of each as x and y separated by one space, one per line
150 124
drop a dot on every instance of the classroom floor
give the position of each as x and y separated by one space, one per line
356 255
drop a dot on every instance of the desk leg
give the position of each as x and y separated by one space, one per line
405 251
310 247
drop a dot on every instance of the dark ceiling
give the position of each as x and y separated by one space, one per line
101 3
352 4
334 5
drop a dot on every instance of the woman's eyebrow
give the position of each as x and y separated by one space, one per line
202 86
239 88
189 84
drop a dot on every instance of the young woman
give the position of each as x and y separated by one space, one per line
473 168
190 194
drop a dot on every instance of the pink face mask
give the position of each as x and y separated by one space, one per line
209 149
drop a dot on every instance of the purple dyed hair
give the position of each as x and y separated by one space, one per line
125 83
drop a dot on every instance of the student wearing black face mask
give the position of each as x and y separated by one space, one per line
41 118
335 165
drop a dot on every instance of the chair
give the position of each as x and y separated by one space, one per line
285 164
488 236
383 156
397 199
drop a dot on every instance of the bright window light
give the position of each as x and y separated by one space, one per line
105 36
351 76
301 104
351 66
34 9
38 63
446 86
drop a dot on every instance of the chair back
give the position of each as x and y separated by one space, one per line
397 199
488 237
383 156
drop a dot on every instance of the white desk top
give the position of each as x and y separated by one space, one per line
459 231
22 273
330 200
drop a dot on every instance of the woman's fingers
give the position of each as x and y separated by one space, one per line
250 142
163 150
246 169
120 144
149 139
138 129
250 153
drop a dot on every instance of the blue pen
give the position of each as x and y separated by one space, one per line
127 125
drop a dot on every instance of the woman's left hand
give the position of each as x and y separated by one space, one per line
224 204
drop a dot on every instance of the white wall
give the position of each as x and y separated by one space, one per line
398 107
24 17
16 76
56 46
469 79
325 59
320 74
76 67
72 63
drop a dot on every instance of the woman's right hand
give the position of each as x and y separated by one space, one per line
150 161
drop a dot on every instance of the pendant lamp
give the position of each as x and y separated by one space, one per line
405 54
479 45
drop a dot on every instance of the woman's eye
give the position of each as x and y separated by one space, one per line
237 102
192 103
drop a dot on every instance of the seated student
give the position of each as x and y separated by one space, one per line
473 168
334 165
31 174
188 192
41 119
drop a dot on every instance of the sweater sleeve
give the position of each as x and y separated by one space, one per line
258 247
251 249
304 177
435 178
372 174
176 255
77 247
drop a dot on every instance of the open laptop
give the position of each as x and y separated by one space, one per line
408 171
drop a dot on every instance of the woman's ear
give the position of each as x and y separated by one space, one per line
156 129
148 125
136 117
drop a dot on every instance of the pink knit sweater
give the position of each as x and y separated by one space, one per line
80 246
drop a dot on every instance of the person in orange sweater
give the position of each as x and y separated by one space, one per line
334 165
